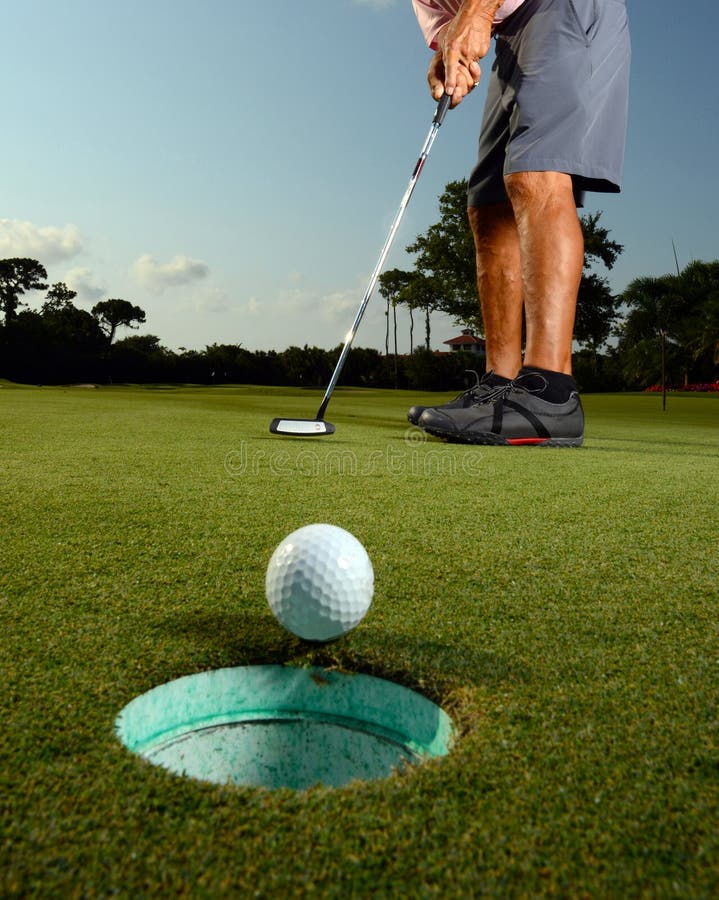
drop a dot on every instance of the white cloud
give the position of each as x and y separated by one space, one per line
214 300
303 305
89 289
290 301
180 270
339 306
47 244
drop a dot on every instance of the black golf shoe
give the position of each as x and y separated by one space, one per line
513 416
476 394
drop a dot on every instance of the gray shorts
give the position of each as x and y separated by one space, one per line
557 97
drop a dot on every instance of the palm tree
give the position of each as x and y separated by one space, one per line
423 292
391 284
650 325
698 285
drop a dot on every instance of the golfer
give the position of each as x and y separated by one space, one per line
554 127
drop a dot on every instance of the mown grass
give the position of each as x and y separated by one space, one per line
562 605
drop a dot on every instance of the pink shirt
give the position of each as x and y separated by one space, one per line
433 14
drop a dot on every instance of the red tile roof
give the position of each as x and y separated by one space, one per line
464 339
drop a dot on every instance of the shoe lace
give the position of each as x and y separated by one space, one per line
522 383
497 393
479 380
530 383
470 390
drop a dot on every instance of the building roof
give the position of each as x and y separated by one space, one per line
465 338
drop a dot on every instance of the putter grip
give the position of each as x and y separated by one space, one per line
442 108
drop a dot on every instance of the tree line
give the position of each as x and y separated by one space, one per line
667 324
61 344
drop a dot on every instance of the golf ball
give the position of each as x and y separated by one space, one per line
319 582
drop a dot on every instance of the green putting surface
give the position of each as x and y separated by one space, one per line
560 606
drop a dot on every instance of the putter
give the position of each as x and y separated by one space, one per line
318 425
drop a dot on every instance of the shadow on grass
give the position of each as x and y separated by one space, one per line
431 667
417 662
309 440
238 639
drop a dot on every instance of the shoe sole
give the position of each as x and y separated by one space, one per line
487 439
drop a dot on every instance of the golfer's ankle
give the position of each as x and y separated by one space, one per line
503 367
554 387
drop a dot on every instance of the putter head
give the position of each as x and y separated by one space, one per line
301 427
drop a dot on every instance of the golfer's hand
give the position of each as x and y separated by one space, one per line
467 79
464 41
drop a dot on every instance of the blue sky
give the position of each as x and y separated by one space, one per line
233 167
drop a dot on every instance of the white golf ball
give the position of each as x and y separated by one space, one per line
319 582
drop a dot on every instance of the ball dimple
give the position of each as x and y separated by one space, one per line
319 582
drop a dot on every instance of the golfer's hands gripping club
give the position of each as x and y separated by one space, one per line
465 40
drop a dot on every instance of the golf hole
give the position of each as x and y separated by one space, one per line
279 726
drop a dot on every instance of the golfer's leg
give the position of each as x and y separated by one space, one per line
552 256
499 282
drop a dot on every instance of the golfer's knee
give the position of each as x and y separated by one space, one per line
538 189
489 224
